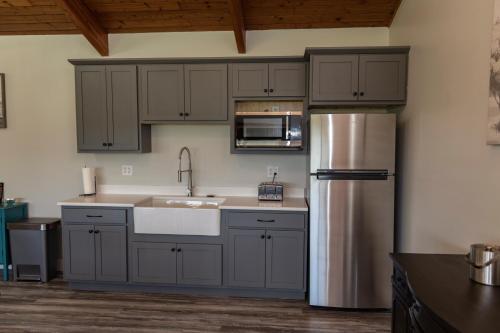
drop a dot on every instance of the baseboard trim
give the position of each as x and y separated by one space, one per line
195 291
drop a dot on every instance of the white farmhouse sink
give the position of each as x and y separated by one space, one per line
178 216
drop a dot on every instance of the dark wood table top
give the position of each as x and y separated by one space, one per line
441 283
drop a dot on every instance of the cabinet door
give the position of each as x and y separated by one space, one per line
79 252
382 77
91 109
285 259
287 80
111 253
199 264
153 262
250 80
246 258
123 114
206 92
400 316
334 78
162 92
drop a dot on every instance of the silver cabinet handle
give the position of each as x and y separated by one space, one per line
266 221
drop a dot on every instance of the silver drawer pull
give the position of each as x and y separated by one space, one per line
265 221
94 216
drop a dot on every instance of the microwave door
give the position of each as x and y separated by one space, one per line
261 128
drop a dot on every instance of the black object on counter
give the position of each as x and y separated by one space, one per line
433 293
33 245
1 192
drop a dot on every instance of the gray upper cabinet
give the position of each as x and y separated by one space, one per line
111 253
287 79
374 78
79 252
273 79
250 80
107 109
153 262
382 77
246 258
285 259
123 113
199 264
334 78
91 108
161 92
206 92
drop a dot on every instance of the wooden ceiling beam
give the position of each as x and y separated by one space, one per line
88 24
236 10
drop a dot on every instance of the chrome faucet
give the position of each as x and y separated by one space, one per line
189 171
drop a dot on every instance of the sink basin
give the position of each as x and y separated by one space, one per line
178 216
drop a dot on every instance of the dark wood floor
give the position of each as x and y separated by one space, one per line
36 307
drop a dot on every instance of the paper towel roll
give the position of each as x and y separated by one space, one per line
88 180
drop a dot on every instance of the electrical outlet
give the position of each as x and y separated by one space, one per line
127 170
271 170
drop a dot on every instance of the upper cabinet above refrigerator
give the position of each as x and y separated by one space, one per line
358 77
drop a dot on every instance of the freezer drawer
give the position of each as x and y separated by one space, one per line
356 141
351 236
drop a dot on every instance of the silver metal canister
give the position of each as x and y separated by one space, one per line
484 264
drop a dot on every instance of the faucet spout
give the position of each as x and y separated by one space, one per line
189 171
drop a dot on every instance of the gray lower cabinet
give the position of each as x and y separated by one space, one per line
95 252
266 259
285 259
199 264
246 258
110 253
79 252
382 77
154 262
334 78
170 263
206 92
161 92
107 110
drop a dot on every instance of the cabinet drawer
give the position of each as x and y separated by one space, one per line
267 220
94 215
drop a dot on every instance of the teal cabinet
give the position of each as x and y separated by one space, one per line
9 214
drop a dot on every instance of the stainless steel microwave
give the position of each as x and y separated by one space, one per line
269 129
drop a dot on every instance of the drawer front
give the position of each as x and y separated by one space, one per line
94 215
267 220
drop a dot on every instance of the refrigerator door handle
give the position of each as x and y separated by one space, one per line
351 174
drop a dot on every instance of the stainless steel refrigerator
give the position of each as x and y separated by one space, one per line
351 198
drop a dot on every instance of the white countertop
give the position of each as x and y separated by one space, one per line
230 203
106 200
252 203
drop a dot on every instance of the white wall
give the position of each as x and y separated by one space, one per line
450 180
38 159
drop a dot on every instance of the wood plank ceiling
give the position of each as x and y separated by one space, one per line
26 17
